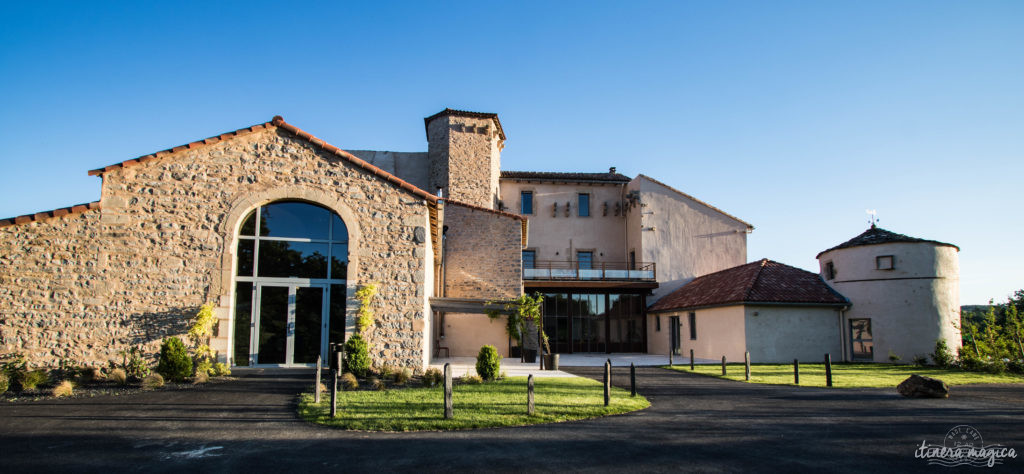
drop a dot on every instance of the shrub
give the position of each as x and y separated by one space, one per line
5 383
89 374
33 378
349 381
175 364
377 384
386 371
14 367
921 360
205 367
432 377
471 379
153 381
357 356
221 369
894 357
64 389
133 363
942 356
201 377
402 376
970 361
488 363
118 376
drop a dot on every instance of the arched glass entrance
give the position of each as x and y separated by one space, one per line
291 265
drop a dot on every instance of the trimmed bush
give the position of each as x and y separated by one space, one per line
64 389
175 364
118 376
349 381
488 363
471 379
33 378
433 377
205 367
5 383
153 381
357 356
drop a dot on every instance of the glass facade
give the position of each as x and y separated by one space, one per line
595 322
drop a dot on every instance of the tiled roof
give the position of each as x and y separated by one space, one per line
481 208
877 235
466 113
726 214
279 123
77 209
763 281
571 177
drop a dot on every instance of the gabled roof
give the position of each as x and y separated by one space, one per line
670 188
877 235
277 122
566 177
466 113
763 281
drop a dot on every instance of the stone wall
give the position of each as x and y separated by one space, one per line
84 286
464 154
483 254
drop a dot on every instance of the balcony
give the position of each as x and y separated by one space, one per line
561 270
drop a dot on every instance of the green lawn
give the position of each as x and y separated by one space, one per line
847 375
499 403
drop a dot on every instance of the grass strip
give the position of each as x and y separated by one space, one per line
491 404
846 375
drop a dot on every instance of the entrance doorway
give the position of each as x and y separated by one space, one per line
290 323
673 334
290 285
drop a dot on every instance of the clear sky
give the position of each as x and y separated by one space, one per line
794 116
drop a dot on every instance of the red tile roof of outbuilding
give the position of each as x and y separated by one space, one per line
763 281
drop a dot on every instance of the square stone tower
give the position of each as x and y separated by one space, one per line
464 151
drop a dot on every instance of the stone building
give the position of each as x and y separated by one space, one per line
277 230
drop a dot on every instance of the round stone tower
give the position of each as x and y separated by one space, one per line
904 294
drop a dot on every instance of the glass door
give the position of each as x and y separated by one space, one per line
289 322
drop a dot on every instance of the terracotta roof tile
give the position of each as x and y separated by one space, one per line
466 113
763 281
877 235
39 216
566 177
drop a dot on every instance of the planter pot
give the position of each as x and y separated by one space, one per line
551 362
530 355
515 352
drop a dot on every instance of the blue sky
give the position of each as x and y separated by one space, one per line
794 116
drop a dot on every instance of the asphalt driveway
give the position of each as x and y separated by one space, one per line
694 424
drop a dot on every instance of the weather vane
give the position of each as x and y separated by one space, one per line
872 217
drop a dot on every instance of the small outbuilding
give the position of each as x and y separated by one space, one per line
775 311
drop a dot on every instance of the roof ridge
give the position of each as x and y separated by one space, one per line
754 280
741 221
481 208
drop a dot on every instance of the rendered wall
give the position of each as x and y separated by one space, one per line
720 332
86 286
557 236
412 167
783 333
466 333
684 237
911 306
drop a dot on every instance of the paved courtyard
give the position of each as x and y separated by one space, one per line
694 424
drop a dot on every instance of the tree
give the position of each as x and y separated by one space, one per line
521 312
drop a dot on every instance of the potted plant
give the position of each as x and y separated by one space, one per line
520 312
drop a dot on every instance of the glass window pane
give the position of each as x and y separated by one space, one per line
273 322
339 232
280 258
339 261
243 322
586 260
245 256
336 326
294 219
529 257
249 224
308 321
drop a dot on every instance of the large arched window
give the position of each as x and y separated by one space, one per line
291 267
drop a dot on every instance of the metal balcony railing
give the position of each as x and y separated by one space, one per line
575 270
